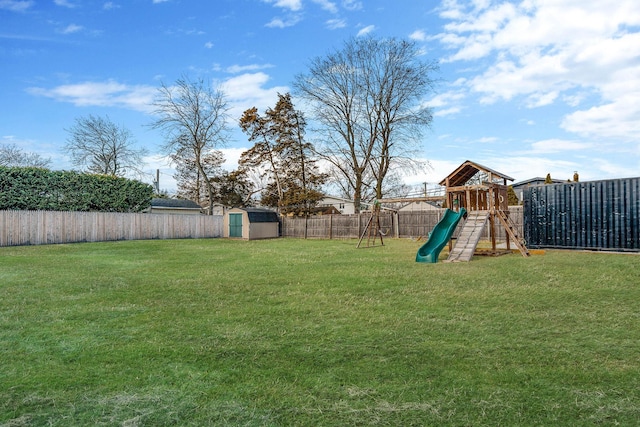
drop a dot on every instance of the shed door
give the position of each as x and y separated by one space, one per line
235 225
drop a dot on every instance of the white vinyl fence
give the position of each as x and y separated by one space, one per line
47 227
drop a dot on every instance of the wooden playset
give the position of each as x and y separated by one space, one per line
482 192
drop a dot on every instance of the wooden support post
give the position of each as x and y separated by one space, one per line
492 228
507 234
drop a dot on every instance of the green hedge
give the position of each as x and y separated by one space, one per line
43 189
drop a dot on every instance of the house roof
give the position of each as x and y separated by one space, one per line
336 198
536 180
467 170
160 203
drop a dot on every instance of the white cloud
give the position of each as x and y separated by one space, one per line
544 51
352 4
72 28
103 94
446 104
541 99
64 3
293 5
15 5
248 90
609 169
334 24
487 139
208 45
243 91
437 171
289 21
231 157
558 145
110 6
617 119
366 30
574 100
442 112
234 69
327 5
159 1
445 99
418 35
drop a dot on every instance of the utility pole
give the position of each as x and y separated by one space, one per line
157 181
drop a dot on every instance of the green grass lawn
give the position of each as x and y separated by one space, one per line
315 333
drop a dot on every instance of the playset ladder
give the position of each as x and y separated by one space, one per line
469 236
512 232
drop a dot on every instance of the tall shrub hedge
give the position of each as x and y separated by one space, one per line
43 189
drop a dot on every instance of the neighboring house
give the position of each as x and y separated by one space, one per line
344 206
174 206
218 209
519 187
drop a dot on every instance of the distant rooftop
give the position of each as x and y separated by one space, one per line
174 203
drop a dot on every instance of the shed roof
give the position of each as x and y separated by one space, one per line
467 170
174 204
261 215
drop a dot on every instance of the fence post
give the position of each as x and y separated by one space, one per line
330 226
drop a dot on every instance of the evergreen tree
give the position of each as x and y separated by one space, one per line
233 189
285 156
512 197
264 155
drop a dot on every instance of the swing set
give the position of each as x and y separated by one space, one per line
373 230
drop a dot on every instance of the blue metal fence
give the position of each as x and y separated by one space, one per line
603 215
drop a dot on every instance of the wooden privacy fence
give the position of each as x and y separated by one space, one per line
398 224
48 227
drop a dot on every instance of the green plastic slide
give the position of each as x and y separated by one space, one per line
439 236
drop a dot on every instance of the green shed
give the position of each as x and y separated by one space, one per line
251 224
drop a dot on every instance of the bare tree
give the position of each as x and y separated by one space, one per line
397 84
190 182
98 145
12 155
367 97
194 118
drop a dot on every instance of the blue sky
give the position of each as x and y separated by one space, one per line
526 87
